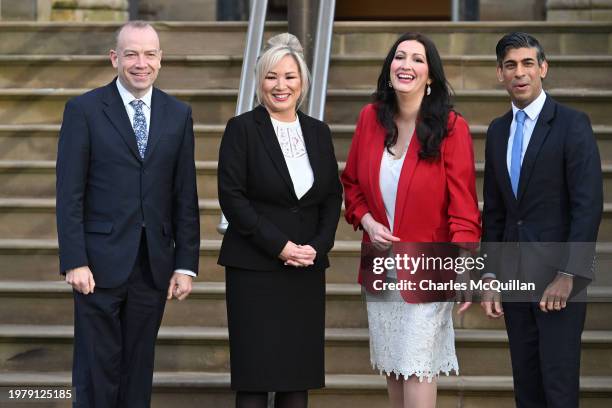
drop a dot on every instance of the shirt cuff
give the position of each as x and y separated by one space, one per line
565 274
488 275
185 272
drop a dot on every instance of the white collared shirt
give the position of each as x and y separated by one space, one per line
532 112
127 98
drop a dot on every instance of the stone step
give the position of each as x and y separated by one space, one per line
216 106
33 179
206 389
223 71
50 302
24 218
349 38
39 142
480 352
37 259
22 302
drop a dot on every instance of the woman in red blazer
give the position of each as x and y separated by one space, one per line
410 177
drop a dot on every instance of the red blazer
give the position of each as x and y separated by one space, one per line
436 200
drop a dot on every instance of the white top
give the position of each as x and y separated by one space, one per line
291 141
532 112
390 170
127 98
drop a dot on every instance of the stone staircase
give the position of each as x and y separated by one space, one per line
42 65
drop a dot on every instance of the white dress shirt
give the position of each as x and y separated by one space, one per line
127 98
532 112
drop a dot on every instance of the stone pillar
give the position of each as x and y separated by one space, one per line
579 10
89 10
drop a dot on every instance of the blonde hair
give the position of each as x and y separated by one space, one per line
276 49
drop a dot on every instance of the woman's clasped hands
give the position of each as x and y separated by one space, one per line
298 255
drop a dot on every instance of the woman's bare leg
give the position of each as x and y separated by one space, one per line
395 388
420 394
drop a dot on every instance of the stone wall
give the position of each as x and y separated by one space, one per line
183 10
89 10
514 10
579 10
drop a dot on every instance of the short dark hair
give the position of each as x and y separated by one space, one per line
518 40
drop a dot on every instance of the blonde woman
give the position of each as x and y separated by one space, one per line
280 191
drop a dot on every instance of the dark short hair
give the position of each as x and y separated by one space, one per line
518 40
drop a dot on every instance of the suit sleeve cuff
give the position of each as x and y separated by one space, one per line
185 272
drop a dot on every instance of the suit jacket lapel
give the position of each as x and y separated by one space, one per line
408 169
158 114
501 154
312 147
268 137
376 152
538 136
116 113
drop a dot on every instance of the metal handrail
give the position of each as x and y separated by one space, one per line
455 10
320 62
246 92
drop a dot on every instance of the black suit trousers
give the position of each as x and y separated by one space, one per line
114 340
545 353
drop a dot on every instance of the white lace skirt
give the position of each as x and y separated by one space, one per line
411 339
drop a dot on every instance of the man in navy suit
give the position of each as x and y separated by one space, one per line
127 220
542 183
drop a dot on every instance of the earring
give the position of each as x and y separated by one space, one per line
428 90
389 84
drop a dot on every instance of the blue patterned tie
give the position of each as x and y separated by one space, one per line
517 151
140 126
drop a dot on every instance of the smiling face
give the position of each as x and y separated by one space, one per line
281 89
137 59
409 71
522 75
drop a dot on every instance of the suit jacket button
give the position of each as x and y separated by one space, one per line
519 222
295 209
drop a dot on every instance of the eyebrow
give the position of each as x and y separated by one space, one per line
151 50
528 59
414 53
286 73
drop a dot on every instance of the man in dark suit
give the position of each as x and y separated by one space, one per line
542 183
128 220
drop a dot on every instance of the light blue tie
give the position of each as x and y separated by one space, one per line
517 151
140 126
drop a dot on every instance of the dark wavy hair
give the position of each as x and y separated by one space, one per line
432 120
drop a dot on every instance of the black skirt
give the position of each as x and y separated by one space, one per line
276 325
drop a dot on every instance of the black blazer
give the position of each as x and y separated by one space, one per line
257 196
106 193
560 192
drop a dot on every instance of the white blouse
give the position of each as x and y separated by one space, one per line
390 171
291 142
